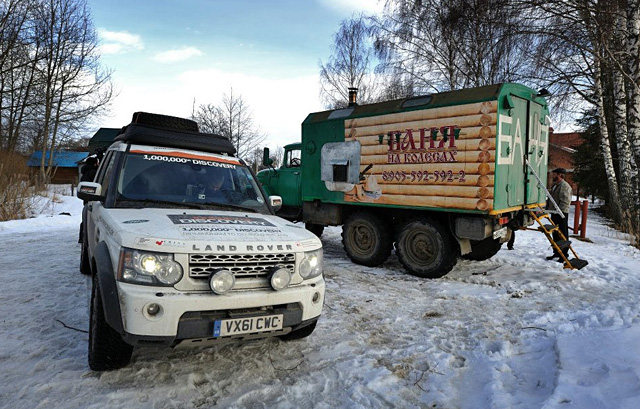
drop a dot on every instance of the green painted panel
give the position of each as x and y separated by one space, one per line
537 152
522 134
402 157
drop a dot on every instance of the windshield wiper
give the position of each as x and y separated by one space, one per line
231 206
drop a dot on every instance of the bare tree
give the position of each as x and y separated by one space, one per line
17 68
442 45
232 119
75 86
349 66
51 81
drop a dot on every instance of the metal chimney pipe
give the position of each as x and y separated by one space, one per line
353 96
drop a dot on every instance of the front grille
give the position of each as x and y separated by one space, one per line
242 265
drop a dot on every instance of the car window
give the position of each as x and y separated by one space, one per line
179 177
106 172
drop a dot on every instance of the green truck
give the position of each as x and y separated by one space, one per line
437 176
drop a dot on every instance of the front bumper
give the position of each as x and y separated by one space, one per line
190 315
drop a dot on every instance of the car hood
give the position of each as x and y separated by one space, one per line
187 231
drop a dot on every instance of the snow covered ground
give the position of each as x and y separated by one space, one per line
515 331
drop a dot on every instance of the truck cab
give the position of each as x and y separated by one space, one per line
286 180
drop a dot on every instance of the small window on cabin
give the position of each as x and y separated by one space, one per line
417 101
293 159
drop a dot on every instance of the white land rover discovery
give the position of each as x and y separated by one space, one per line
184 248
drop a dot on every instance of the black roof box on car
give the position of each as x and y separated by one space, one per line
172 132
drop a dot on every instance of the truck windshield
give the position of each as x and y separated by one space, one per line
180 177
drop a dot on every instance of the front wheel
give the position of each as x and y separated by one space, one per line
107 350
366 239
426 249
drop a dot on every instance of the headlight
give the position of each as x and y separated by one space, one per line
311 265
147 267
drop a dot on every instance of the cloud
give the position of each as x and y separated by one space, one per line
118 42
171 56
348 7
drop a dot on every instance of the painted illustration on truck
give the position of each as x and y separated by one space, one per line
442 157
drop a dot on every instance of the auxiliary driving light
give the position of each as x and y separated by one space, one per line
280 278
222 281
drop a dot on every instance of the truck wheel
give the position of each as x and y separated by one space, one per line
85 265
366 239
300 333
107 350
316 229
426 249
483 249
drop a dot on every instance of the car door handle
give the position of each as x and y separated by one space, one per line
90 207
296 173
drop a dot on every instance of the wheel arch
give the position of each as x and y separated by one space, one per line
108 287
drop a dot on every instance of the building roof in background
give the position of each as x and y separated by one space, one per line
103 138
62 159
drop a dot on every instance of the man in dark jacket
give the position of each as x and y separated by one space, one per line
89 169
561 194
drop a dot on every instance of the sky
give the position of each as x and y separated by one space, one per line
515 331
167 55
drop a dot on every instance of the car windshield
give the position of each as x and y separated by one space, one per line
192 179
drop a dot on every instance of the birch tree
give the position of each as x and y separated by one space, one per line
349 66
445 45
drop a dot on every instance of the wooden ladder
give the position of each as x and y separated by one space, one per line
548 229
559 246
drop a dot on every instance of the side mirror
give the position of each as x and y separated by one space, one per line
90 191
266 160
275 202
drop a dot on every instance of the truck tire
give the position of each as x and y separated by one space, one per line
107 350
85 265
483 249
300 333
316 229
367 239
426 249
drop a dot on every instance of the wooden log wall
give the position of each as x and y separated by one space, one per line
458 176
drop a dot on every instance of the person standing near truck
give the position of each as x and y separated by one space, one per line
561 194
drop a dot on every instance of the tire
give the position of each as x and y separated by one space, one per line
426 249
483 249
85 264
300 333
366 239
107 350
316 229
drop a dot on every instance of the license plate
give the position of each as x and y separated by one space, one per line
498 234
237 326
